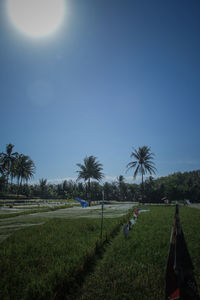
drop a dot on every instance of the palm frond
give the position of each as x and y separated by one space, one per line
131 165
136 171
91 169
144 161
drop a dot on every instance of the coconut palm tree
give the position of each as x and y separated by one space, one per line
143 163
2 169
24 168
7 162
91 169
122 187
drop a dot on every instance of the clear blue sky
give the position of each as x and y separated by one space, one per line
116 75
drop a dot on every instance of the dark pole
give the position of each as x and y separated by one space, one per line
176 210
102 205
142 189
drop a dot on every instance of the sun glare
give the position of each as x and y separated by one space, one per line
36 18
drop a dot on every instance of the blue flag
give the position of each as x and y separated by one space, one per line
83 203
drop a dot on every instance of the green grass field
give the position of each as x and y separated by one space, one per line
65 259
46 261
134 267
27 211
9 223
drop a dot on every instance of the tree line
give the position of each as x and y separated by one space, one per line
68 189
177 186
14 165
16 170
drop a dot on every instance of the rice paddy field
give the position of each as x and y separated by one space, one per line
12 219
63 256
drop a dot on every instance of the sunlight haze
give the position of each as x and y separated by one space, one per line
36 18
112 76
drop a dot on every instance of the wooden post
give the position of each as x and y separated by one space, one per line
102 205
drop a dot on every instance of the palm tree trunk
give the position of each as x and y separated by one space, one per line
89 192
7 182
18 185
142 189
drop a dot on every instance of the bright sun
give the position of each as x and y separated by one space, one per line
36 18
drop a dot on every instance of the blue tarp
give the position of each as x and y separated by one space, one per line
83 203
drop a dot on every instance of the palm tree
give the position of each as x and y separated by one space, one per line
122 187
25 168
2 169
91 169
7 162
120 179
43 187
143 163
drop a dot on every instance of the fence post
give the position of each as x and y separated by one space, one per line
102 205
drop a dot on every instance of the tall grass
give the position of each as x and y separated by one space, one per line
49 261
52 261
134 267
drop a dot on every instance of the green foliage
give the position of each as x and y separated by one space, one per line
16 168
177 186
7 161
2 184
24 168
15 165
143 162
90 169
